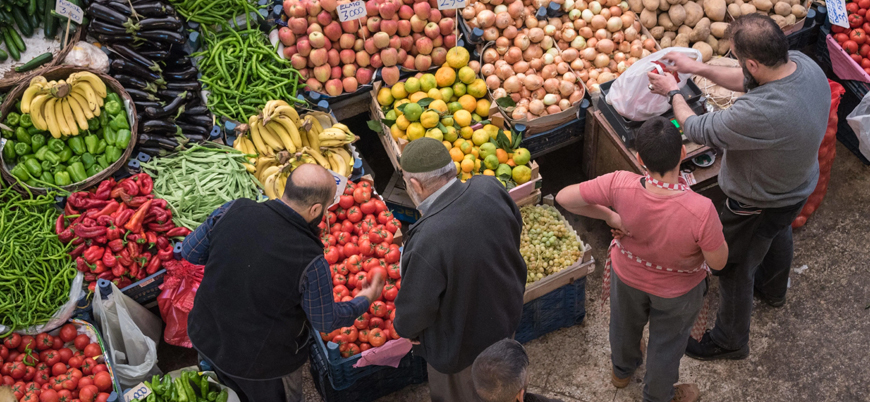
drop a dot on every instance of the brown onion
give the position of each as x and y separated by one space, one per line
577 65
570 55
564 104
615 11
570 77
510 32
586 32
502 44
490 55
553 109
650 45
515 9
533 82
519 113
562 68
487 69
598 22
490 34
492 82
551 85
486 18
536 64
601 60
628 19
566 88
605 46
538 94
512 84
521 67
513 55
624 47
583 75
589 53
536 106
536 35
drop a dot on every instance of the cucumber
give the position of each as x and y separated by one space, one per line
16 38
49 24
3 55
35 19
31 7
35 62
40 7
10 44
22 21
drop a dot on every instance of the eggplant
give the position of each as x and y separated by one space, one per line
132 55
160 141
167 23
172 94
192 129
127 67
147 9
102 28
184 86
139 95
178 63
162 36
171 107
135 82
155 54
144 105
180 75
195 137
115 38
108 15
159 125
153 151
200 120
195 111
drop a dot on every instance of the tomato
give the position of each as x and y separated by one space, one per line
376 337
376 322
358 278
342 238
58 369
42 377
102 397
29 373
364 346
75 362
12 341
364 184
339 279
43 341
351 249
864 50
88 393
65 354
381 250
393 225
366 247
390 293
17 370
857 57
93 350
88 366
855 20
850 47
49 357
71 383
841 37
103 381
386 216
837 29
852 8
858 36
394 271
7 380
331 254
361 195
351 350
364 334
378 309
375 273
867 70
368 207
339 340
4 353
27 342
341 214
81 342
49 396
350 334
341 290
354 215
346 201
353 263
371 220
392 256
349 189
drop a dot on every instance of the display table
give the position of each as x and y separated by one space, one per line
604 152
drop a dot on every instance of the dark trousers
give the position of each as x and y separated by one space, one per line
451 387
670 322
286 389
760 255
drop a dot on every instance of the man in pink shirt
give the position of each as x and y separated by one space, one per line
663 233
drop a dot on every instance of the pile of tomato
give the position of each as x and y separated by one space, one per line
357 234
854 39
45 368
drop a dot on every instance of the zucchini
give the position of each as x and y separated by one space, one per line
35 62
35 20
22 21
48 22
31 7
16 38
3 55
10 44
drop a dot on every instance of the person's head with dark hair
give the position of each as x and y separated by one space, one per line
760 46
659 145
310 190
500 373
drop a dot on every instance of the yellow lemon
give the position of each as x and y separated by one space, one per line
451 134
466 75
413 112
457 57
458 89
465 147
479 137
462 118
416 96
399 103
434 93
396 132
488 172
427 82
477 88
468 103
445 76
447 145
399 92
385 97
438 105
429 119
492 130
456 154
522 156
521 174
483 106
465 132
412 85
446 94
403 122
415 131
435 134
447 121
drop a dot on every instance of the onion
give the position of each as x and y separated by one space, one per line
598 22
605 46
503 20
595 7
486 18
568 5
510 32
568 34
522 41
579 24
521 67
551 99
604 77
548 58
582 75
562 68
587 15
588 53
547 43
515 9
593 74
531 21
624 6
564 104
630 34
611 66
578 43
487 69
619 56
586 32
628 19
536 107
566 88
614 24
581 5
490 34
624 47
644 53
577 96
492 82
490 55
617 37
635 51
536 35
592 42
615 11
538 94
650 45
504 72
512 84
519 113
533 52
602 60
501 8
602 34
577 65
605 12
513 55
468 13
574 14
553 109
522 77
570 77
551 85
620 67
502 44
549 71
499 93
533 82
536 64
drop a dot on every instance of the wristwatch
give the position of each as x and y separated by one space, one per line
671 96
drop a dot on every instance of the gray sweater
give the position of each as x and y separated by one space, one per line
771 137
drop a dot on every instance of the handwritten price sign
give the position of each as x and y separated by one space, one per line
351 11
65 8
139 392
450 4
837 13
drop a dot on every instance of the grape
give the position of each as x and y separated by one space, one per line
547 244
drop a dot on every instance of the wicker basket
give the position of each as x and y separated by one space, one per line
13 78
62 72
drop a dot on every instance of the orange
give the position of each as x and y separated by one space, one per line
467 166
502 155
488 172
456 154
476 152
458 142
447 145
511 163
468 103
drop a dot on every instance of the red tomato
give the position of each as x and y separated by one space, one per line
358 278
393 225
4 352
85 381
364 334
850 47
103 381
852 8
857 57
65 354
342 238
81 342
339 279
366 247
376 337
361 195
88 393
368 207
331 218
374 273
345 299
837 29
71 383
364 346
17 370
364 184
393 315
49 396
12 341
51 357
56 342
341 213
381 205
42 377
378 309
393 256
841 38
353 264
339 340
381 250
93 350
88 366
346 201
394 271
351 249
27 342
864 50
390 293
75 361
331 254
354 214
58 369
858 36
386 216
376 322
867 70
855 20
29 373
351 350
43 341
350 333
65 395
7 380
341 289
102 397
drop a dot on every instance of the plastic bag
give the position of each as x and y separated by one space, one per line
859 120
131 333
178 290
630 94
84 54
62 315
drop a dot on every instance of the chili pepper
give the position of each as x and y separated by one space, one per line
154 265
113 154
61 179
78 250
90 277
81 265
22 148
77 199
91 143
59 224
55 145
137 201
25 121
107 275
165 254
117 245
141 275
203 386
124 257
99 267
119 122
132 250
77 172
161 227
88 160
129 187
122 283
135 223
101 147
151 237
65 236
12 119
21 172
136 267
121 208
104 190
94 204
109 209
9 150
77 144
119 270
223 396
144 183
78 240
89 232
162 242
123 217
36 140
116 192
114 232
105 220
109 258
159 214
122 138
101 240
33 167
65 154
93 254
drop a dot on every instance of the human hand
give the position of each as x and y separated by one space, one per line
681 63
661 84
618 230
372 291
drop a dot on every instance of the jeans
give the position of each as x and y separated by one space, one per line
670 322
760 256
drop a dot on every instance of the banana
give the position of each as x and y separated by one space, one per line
269 187
315 153
51 118
291 129
69 118
249 149
262 149
88 93
335 134
270 138
77 112
37 114
96 83
61 119
283 135
336 162
304 138
249 167
30 93
316 124
262 164
238 145
342 127
333 143
285 110
345 155
83 104
271 105
306 158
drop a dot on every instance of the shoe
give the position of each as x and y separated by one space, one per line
770 301
686 393
709 350
619 382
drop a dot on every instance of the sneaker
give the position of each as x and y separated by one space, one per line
686 393
709 350
619 382
770 301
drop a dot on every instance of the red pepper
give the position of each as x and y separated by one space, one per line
133 250
160 203
59 225
162 242
124 258
110 208
121 208
135 269
135 223
89 222
77 199
129 186
177 232
99 267
77 241
81 265
165 254
92 287
144 182
104 220
114 232
152 238
153 265
101 240
117 245
104 190
161 227
94 204
141 275
109 258
123 217
119 270
136 202
159 213
93 254
106 275
90 277
69 210
117 192
65 236
122 283
89 232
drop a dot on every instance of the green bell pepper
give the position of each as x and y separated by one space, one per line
102 161
33 130
61 179
50 156
88 160
22 135
25 121
12 119
9 151
91 143
93 170
65 154
223 396
37 140
110 135
55 145
101 147
47 166
118 122
59 168
77 172
104 119
25 158
20 172
40 153
77 144
22 148
112 153
32 183
114 97
94 123
74 159
47 176
122 139
112 107
33 167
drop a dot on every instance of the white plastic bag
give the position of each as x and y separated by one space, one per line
630 94
84 54
62 315
859 120
131 333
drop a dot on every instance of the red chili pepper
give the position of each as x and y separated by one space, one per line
114 232
151 237
109 258
77 241
117 245
104 220
161 227
122 283
162 242
165 254
90 277
94 204
106 275
59 225
69 210
141 275
159 213
123 217
65 236
129 186
89 222
92 287
111 207
133 250
93 254
124 258
135 269
104 190
77 199
89 232
81 265
160 203
135 223
117 192
136 202
99 267
144 182
153 265
101 240
121 208
119 270
177 232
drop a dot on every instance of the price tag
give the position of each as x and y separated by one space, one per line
65 8
837 13
351 11
340 184
450 4
140 391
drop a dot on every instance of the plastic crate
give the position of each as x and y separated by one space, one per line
855 91
539 144
561 308
804 37
381 383
146 290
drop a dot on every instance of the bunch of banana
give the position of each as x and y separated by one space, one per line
64 107
340 160
335 136
244 145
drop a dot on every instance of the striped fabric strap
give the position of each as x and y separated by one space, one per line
681 186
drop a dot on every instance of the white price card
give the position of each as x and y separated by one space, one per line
74 12
837 13
351 11
450 4
140 391
340 184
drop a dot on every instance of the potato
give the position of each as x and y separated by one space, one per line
651 5
780 20
666 22
718 29
734 10
684 29
674 2
715 9
683 2
799 11
657 32
790 20
747 9
724 47
762 5
635 5
648 18
694 13
672 35
664 5
666 42
701 31
682 40
705 49
782 8
713 42
794 2
729 1
677 14
738 2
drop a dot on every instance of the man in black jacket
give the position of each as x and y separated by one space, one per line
463 277
501 374
265 280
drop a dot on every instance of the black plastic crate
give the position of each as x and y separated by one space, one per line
804 37
855 91
539 144
561 308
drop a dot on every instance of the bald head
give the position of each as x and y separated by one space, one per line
757 37
308 186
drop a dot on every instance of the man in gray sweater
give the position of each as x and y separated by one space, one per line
771 138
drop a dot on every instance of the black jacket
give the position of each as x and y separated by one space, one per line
247 318
463 277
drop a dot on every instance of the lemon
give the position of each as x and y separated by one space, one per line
435 133
403 122
396 132
429 119
465 147
434 93
458 89
477 88
415 131
479 137
416 96
465 132
468 103
391 115
521 174
412 85
462 118
466 75
488 172
399 92
438 105
427 82
447 145
385 97
398 103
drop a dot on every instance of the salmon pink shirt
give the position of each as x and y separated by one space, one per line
666 230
